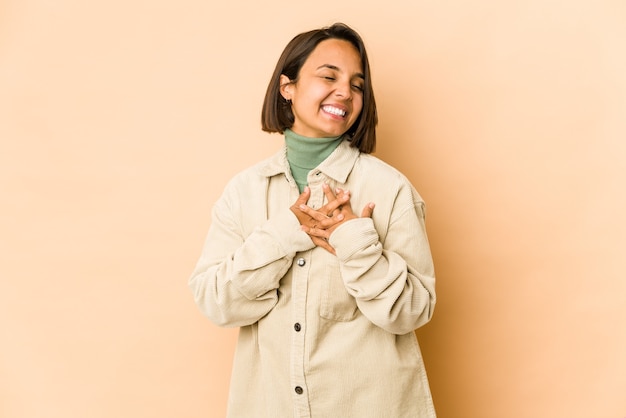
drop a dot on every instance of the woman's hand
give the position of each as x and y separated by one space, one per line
319 224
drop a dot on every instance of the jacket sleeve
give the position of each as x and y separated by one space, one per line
393 283
236 279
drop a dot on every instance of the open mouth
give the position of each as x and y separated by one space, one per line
334 110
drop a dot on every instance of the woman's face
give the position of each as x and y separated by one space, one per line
328 96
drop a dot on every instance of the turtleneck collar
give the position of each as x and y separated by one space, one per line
304 153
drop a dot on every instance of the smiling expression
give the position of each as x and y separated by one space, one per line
327 97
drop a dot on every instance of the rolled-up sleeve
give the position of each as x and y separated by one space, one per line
236 279
393 282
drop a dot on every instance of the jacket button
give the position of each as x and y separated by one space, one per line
299 390
301 262
297 327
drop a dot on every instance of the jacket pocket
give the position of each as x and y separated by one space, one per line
336 304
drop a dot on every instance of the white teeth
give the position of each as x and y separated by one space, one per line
334 111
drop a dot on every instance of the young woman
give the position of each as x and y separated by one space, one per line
326 288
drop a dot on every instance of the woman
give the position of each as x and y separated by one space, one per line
327 300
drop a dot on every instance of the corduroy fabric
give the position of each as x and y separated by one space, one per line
321 335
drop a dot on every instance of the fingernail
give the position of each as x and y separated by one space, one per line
340 217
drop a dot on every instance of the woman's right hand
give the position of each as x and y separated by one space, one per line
319 224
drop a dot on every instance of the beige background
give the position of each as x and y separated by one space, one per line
121 121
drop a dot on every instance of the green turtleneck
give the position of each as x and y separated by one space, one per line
304 154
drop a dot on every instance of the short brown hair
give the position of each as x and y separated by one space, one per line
277 116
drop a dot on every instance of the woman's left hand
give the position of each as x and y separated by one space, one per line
327 218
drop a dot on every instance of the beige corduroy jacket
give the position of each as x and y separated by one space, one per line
321 335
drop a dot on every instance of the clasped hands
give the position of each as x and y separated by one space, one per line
320 223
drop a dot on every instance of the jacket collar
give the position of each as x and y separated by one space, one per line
337 166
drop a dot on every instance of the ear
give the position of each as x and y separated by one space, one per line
285 87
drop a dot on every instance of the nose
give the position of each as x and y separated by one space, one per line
344 90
